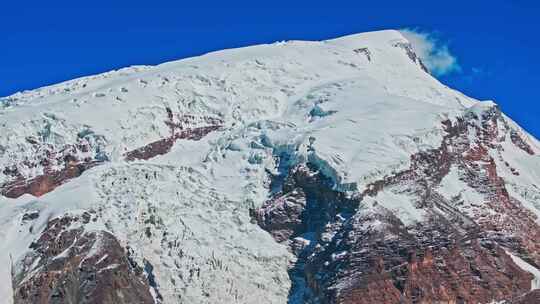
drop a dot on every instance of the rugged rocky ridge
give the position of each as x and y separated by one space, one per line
68 162
338 171
70 265
353 251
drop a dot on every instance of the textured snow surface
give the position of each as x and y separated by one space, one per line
358 115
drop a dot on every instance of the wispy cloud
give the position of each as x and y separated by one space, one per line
433 52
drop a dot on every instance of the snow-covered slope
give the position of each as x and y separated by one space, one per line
171 159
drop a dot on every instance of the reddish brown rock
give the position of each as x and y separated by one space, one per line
282 217
45 183
163 146
57 164
532 297
453 256
70 265
426 264
188 127
520 142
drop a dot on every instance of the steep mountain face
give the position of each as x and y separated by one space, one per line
338 171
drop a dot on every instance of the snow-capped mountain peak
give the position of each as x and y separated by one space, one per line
267 172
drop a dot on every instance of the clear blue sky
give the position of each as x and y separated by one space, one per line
496 43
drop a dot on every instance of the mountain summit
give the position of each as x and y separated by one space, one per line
337 171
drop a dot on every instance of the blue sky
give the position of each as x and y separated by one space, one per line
493 45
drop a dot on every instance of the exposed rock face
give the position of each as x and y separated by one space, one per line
70 265
54 165
305 206
187 127
350 249
47 182
426 267
408 48
163 146
529 298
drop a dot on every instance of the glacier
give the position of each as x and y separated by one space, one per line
355 107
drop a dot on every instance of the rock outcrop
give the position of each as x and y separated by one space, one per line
351 249
54 165
188 127
69 264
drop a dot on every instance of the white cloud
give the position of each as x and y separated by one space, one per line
434 53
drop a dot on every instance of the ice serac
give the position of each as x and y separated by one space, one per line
326 172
